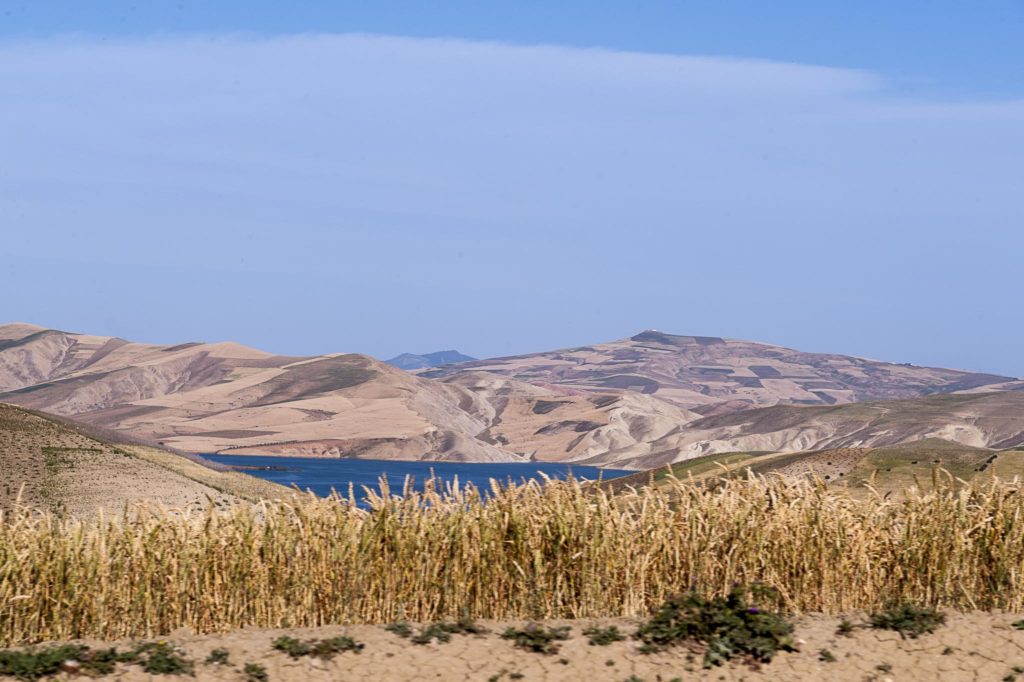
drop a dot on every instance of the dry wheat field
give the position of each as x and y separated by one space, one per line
557 550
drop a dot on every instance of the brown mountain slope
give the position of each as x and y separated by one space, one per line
985 420
887 469
713 375
60 466
226 397
585 405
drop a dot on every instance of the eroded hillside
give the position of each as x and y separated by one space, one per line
225 397
713 375
637 403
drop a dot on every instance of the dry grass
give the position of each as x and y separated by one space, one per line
59 465
563 550
234 483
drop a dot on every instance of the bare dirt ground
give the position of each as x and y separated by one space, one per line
974 646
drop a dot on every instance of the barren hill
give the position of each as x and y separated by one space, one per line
713 375
982 420
60 466
226 397
635 403
883 469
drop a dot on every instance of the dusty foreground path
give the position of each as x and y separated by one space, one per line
977 646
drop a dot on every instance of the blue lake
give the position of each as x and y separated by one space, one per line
323 475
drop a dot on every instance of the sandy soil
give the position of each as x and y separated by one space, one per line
978 646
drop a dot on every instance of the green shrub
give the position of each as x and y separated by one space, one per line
31 664
728 626
160 658
597 636
218 657
908 620
443 631
400 629
102 661
431 632
156 658
293 647
254 672
845 628
537 638
319 648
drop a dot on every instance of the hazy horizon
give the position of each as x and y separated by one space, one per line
528 351
380 181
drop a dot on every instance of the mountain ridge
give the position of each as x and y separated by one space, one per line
705 373
413 361
633 403
227 397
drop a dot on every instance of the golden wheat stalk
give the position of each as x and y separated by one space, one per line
557 549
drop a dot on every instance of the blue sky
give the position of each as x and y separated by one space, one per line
504 178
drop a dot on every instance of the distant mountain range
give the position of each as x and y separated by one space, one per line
644 401
412 361
711 375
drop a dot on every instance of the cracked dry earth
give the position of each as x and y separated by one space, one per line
973 646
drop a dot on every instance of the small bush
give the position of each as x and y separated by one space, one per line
254 672
319 648
102 661
826 656
31 664
293 647
431 632
467 626
1018 625
218 657
845 628
400 629
160 658
908 620
442 631
157 658
537 638
727 626
597 636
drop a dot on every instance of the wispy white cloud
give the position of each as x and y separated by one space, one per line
384 164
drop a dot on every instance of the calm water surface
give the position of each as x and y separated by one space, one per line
323 475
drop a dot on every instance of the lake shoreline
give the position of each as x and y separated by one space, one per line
324 476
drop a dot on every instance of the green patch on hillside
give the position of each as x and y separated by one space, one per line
1007 464
699 467
318 377
900 466
771 463
709 464
887 469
